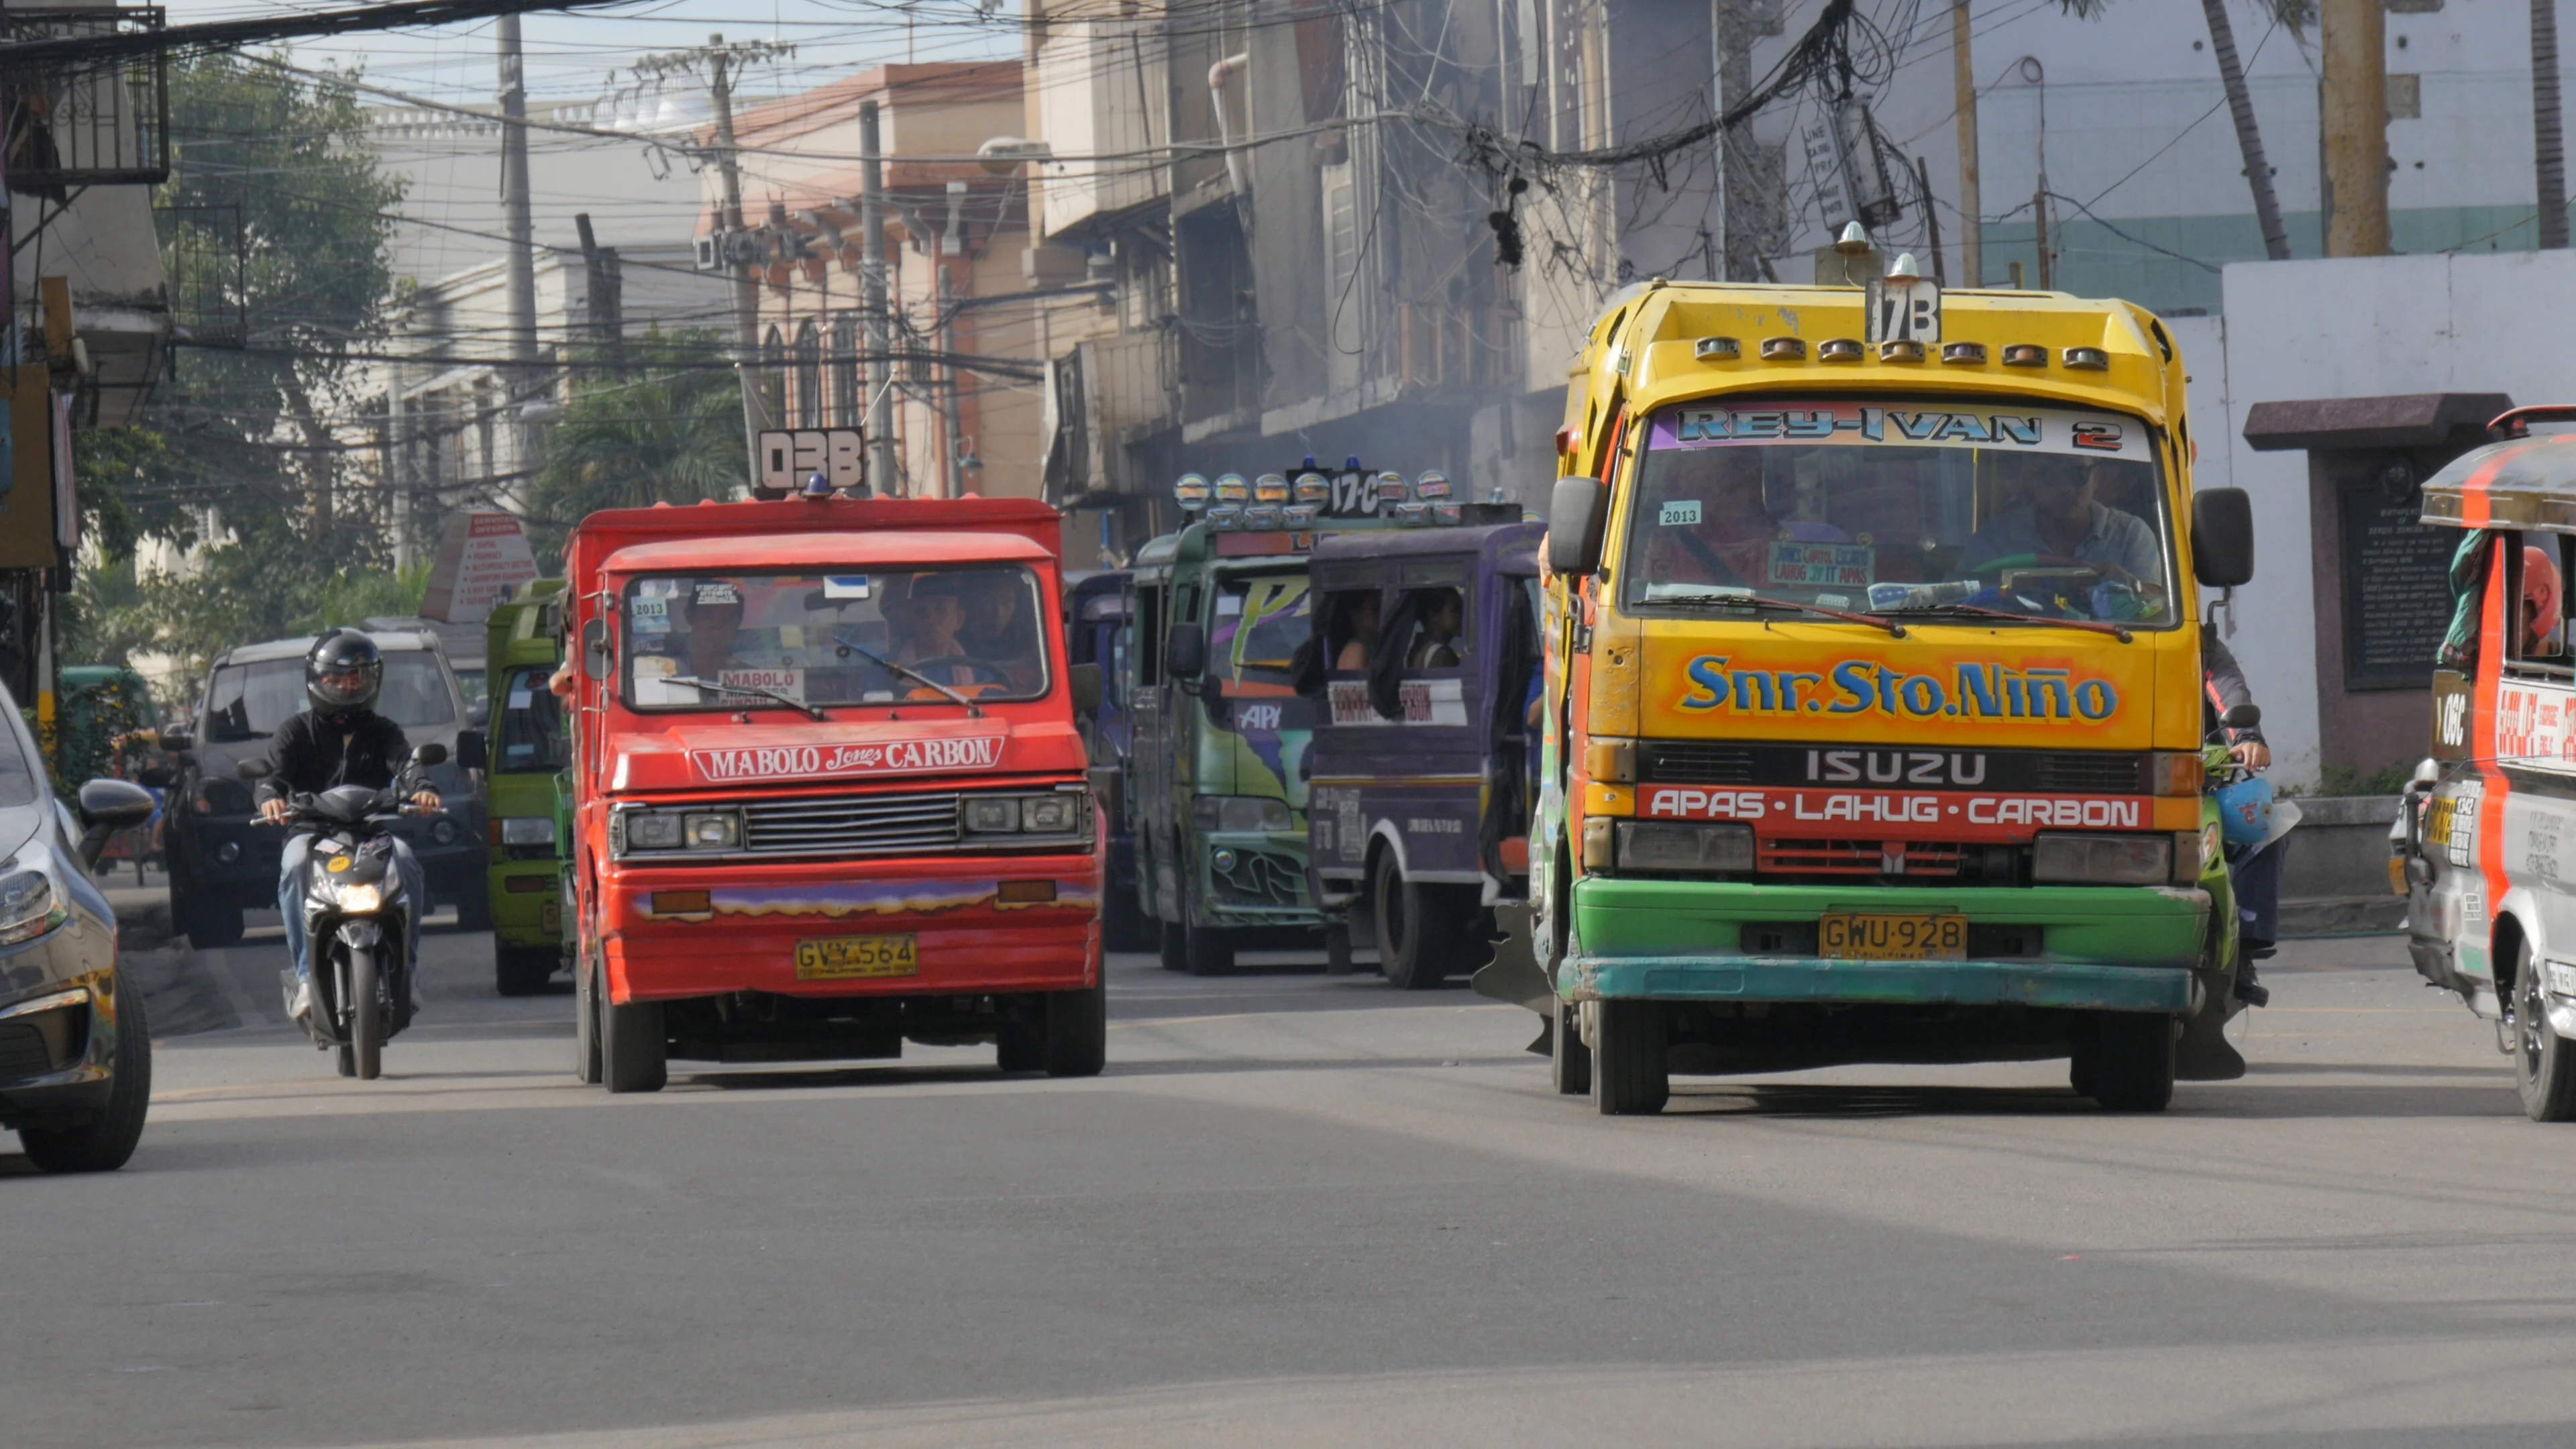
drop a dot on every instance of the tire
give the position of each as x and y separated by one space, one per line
106 1141
366 1016
1174 943
1569 1061
213 925
1020 1046
1207 951
632 1053
1630 1074
2544 1063
2131 1065
1077 1032
1416 934
523 970
585 1024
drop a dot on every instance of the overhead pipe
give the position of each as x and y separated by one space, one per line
1218 74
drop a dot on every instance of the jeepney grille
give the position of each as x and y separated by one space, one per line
1688 762
851 825
1859 857
2087 770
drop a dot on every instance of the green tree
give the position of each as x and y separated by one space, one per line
668 431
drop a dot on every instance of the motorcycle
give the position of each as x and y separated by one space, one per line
2246 820
357 920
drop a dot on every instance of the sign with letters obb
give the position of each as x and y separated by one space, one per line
788 458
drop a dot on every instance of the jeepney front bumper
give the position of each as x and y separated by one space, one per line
2096 948
1255 877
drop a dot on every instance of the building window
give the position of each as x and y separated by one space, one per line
847 403
809 375
773 359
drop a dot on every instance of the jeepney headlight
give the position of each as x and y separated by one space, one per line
1242 813
527 830
1050 814
993 815
2071 858
650 830
712 831
1709 848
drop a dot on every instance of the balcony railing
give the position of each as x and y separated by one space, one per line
75 124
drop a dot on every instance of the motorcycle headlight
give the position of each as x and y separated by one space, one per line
29 906
360 897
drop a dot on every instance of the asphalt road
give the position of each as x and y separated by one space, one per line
1298 1209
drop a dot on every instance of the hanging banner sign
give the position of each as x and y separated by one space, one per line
481 560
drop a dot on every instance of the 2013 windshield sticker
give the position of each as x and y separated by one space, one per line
1859 686
895 757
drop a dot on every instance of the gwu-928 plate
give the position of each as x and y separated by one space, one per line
846 958
1874 937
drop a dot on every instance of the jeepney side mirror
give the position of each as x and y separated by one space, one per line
1578 514
594 649
2242 716
1185 650
1085 680
472 751
2222 537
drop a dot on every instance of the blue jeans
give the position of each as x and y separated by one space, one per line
2258 890
290 898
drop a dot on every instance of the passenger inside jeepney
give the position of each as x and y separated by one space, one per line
1354 628
996 627
711 616
1443 614
1714 521
937 646
2544 606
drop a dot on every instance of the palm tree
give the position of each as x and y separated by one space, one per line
666 428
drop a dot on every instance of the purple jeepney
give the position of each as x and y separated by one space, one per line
1423 757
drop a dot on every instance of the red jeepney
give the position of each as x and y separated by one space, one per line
829 796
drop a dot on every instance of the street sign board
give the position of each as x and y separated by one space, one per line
483 557
789 457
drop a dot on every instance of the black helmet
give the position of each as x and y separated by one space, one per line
328 668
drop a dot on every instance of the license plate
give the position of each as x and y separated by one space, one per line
844 958
1894 938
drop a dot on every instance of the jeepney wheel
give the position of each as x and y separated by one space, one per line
523 970
1076 1032
2130 1064
1175 946
2544 1063
1206 950
1631 1071
1416 933
631 1047
585 1024
1020 1046
1569 1060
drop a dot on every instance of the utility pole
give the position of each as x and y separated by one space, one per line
882 474
1717 109
1963 85
746 290
2549 139
521 258
2249 139
2354 96
606 285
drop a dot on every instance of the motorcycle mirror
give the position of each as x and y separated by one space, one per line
2242 717
432 753
253 769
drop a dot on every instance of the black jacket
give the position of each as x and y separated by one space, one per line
312 754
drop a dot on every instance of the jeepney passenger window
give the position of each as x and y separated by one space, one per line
1148 627
2539 589
1351 620
1431 628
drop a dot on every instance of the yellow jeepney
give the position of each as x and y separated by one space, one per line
1873 723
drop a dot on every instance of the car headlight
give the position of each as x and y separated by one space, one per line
528 830
2069 858
1712 848
1241 813
715 831
443 831
1050 814
993 814
29 906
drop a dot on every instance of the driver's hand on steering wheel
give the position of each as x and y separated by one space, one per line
273 811
426 800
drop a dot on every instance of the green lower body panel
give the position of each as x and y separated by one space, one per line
519 918
2099 948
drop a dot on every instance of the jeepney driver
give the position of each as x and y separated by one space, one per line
2063 519
713 615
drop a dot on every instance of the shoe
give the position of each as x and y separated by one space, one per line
2249 990
299 1003
2255 948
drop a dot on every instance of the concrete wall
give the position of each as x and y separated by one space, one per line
2362 327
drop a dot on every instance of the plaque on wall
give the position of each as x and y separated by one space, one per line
2396 590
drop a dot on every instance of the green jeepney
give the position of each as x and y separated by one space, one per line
529 801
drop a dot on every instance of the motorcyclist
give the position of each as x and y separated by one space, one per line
2256 879
341 740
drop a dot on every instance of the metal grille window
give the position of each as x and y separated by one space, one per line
96 123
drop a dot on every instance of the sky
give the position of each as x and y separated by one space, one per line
571 56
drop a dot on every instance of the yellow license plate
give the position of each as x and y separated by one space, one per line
844 958
1894 938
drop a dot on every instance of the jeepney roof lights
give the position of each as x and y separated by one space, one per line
1230 488
1300 515
1964 354
1783 349
1390 489
1191 491
1261 515
2088 359
1447 515
817 488
1900 349
1270 488
1839 349
1225 516
1412 515
1717 349
2025 354
1314 487
1854 241
1432 486
1906 269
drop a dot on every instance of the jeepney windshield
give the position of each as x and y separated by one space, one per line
530 738
885 637
1260 621
1902 507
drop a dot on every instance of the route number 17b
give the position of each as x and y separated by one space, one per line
1903 309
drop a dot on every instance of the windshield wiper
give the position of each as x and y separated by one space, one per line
973 710
2091 626
1725 595
789 700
